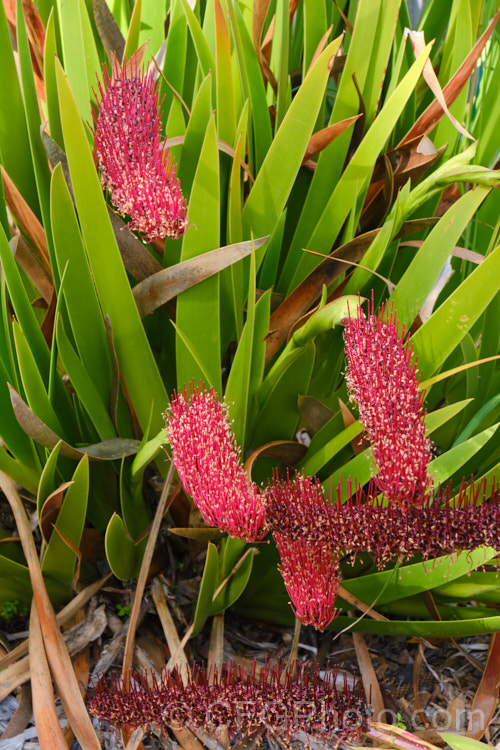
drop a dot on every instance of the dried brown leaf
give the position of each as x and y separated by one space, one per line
216 644
395 737
322 138
50 510
366 609
288 451
14 666
109 31
485 700
314 412
108 450
203 534
368 676
30 262
57 654
22 715
417 666
47 723
459 252
431 116
26 220
166 284
309 291
348 24
321 46
418 43
36 39
409 161
168 625
143 573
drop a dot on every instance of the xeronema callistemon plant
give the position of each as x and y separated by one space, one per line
278 700
400 515
135 167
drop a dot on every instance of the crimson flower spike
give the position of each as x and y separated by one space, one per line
299 518
311 574
207 459
445 524
135 167
278 701
383 382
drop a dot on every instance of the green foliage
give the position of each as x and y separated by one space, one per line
123 611
265 149
11 609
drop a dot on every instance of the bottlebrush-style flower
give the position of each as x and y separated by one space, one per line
207 459
310 571
277 701
297 514
445 524
135 167
383 382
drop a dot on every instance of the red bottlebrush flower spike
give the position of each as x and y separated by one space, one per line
135 167
311 574
298 509
383 382
298 515
278 701
207 459
444 525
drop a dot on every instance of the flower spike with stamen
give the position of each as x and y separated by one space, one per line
299 518
383 382
135 167
277 701
207 460
310 571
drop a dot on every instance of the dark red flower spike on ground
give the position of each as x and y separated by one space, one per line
277 701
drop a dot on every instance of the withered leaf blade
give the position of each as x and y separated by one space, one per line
32 266
418 43
166 284
50 510
44 708
207 534
26 220
288 451
322 138
108 450
314 412
486 698
409 161
109 31
431 116
309 290
49 636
